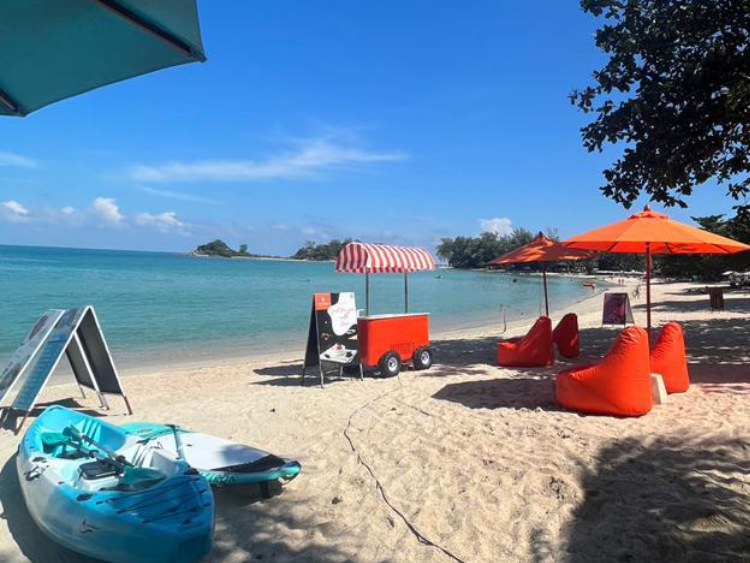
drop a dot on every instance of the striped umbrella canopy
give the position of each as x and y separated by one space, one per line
57 49
363 258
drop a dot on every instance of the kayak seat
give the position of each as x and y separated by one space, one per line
56 444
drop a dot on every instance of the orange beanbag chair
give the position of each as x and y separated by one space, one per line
534 349
566 337
619 385
668 359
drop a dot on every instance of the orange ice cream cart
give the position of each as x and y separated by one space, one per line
387 342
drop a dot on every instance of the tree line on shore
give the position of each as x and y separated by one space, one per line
476 252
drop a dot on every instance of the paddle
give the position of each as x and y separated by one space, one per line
76 435
133 477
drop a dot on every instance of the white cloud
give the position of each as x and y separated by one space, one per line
105 208
102 213
499 225
16 160
178 195
166 222
13 212
310 157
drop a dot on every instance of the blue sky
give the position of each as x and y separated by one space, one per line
390 121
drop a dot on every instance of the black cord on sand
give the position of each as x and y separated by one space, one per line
417 534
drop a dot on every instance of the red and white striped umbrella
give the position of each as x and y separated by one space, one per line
362 258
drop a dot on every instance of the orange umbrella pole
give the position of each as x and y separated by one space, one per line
648 287
544 280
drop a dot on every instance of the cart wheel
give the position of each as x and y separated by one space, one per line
422 358
390 364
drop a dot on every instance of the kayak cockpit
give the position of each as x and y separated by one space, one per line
86 465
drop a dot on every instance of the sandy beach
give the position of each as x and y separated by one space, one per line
466 461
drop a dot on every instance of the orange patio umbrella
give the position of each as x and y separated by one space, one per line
650 233
541 250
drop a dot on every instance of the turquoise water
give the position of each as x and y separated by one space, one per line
156 306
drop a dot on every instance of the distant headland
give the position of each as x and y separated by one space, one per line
311 252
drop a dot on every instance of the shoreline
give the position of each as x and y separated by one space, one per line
234 354
163 361
587 308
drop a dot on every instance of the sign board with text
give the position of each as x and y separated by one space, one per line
617 309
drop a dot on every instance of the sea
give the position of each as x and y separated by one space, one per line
160 307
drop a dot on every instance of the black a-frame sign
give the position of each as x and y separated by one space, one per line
332 334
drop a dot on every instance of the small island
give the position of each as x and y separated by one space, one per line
218 248
325 252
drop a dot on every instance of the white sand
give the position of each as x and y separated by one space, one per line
466 461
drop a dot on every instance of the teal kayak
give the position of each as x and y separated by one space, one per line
98 490
220 461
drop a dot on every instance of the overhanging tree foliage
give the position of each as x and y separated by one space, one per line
676 91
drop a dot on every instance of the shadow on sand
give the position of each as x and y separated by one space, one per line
526 388
35 546
517 393
244 526
290 374
248 528
675 500
10 419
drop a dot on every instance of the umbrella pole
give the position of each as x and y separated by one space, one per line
544 280
406 292
648 288
367 294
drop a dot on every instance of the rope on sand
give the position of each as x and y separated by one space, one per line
412 528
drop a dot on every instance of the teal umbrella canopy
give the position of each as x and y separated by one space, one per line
54 49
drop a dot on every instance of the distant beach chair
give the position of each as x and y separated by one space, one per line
619 385
533 350
668 358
